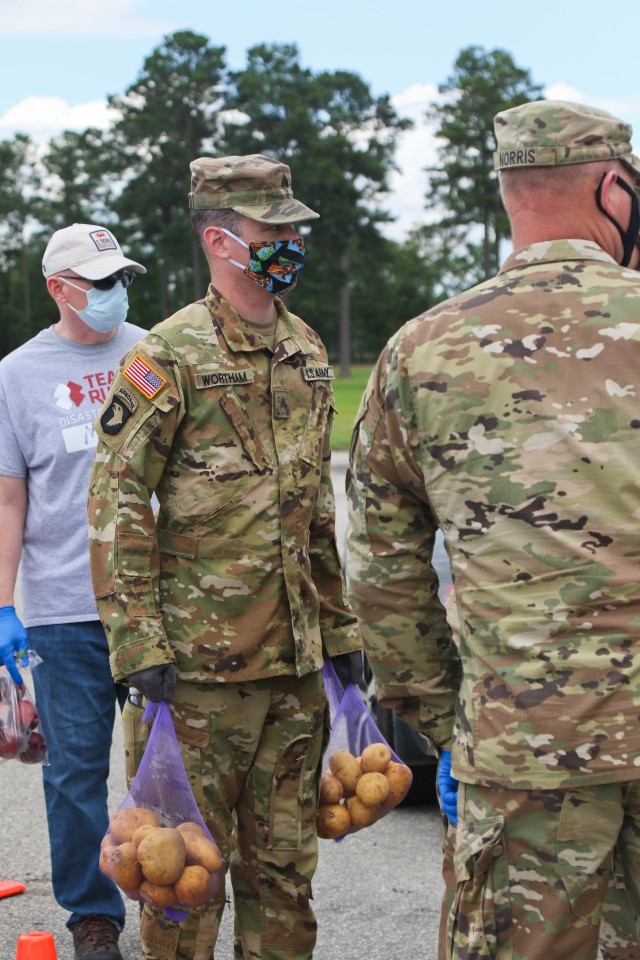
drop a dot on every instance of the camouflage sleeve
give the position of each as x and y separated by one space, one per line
135 433
338 623
392 583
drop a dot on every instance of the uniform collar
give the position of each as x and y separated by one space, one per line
549 251
242 337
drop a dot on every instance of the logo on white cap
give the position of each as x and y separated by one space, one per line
103 240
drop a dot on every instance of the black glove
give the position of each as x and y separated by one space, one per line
349 667
156 683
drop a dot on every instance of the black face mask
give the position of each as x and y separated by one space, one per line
629 236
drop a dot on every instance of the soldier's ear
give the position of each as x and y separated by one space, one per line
216 243
607 193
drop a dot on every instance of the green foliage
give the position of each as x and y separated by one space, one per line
464 184
167 118
348 393
340 143
79 186
340 140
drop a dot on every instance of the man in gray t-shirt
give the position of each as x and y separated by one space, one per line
51 390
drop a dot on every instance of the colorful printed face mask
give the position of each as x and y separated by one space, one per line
273 264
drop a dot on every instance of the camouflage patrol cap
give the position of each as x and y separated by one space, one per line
255 186
547 133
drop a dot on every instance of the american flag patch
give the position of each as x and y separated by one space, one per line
144 377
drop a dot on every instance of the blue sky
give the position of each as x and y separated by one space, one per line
61 58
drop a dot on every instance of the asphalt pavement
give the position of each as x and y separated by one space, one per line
376 894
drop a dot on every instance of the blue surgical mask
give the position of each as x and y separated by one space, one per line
105 309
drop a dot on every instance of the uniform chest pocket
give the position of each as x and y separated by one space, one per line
237 414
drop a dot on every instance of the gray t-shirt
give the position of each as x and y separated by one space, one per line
51 391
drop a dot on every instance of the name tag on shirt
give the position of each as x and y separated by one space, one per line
223 378
318 373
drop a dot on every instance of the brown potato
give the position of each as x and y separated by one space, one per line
375 758
133 894
124 867
106 849
202 851
346 768
331 790
361 815
160 895
400 779
332 821
372 789
126 821
193 886
162 854
141 832
189 826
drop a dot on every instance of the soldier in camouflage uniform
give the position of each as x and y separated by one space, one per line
619 939
234 594
508 416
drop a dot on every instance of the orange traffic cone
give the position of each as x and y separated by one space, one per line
37 945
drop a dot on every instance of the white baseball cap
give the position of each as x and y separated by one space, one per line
89 250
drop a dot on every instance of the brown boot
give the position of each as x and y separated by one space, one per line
95 938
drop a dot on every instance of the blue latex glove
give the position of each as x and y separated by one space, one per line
349 667
156 683
13 642
447 788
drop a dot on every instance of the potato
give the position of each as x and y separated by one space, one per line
400 779
125 822
106 849
372 789
361 815
331 790
202 851
189 826
160 895
140 833
193 886
346 768
332 820
162 854
375 758
124 867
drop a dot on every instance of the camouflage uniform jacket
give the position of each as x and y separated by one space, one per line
239 577
509 416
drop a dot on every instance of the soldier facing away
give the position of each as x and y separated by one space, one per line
508 416
229 602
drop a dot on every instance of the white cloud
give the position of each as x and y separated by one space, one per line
79 18
46 117
416 150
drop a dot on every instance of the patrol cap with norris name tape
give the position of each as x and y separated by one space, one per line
255 186
548 133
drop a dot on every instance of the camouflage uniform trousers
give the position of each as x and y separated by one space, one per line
528 873
619 934
253 753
